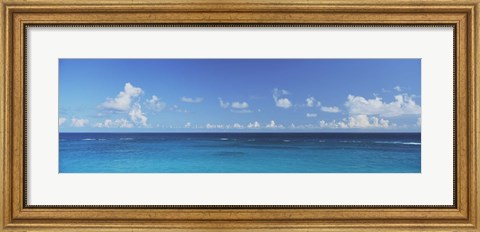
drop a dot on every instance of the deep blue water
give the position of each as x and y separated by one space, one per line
240 153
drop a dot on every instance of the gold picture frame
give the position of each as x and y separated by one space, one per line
17 15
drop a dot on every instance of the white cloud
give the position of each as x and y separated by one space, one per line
304 126
61 121
273 125
239 105
403 105
397 88
191 100
137 116
254 125
237 126
363 121
279 101
214 126
223 104
311 115
188 125
330 109
333 124
178 109
312 102
283 103
155 104
358 121
78 122
419 122
124 98
118 123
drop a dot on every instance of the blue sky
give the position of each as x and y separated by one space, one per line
239 95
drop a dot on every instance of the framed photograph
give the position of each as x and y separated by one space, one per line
291 115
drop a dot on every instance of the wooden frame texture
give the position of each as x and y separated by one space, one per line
17 14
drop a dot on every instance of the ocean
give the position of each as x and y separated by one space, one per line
240 153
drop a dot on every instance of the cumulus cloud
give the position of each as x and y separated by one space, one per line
137 116
333 124
188 125
273 125
358 121
118 123
304 126
191 100
311 115
223 104
222 126
78 122
214 126
397 88
123 100
210 126
155 104
281 101
403 105
61 121
330 109
236 107
237 126
312 102
419 121
254 125
363 121
239 105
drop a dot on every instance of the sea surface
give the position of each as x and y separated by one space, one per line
240 153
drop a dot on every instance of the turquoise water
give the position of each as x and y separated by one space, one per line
240 153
